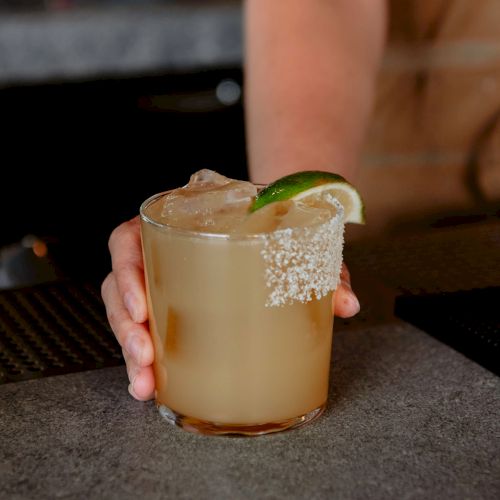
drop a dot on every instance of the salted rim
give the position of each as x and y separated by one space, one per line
339 215
304 262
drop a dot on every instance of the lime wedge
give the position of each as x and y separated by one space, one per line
311 187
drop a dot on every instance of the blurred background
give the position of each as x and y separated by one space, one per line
433 150
106 102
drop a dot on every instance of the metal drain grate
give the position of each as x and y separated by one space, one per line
53 329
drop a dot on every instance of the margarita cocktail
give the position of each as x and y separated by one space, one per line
240 304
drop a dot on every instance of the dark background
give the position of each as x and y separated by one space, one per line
80 157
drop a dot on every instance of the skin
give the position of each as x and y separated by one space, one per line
310 68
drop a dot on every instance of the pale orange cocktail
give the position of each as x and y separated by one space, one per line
240 306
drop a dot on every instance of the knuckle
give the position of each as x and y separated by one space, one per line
105 285
115 236
112 320
116 327
124 236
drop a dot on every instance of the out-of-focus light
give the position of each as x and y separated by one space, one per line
228 92
40 248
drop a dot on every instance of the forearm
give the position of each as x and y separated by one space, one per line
310 70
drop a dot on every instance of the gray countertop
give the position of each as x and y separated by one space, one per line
118 40
407 417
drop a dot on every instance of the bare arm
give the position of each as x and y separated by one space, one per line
309 75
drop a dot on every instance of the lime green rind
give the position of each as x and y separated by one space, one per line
289 186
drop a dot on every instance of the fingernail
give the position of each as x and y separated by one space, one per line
131 389
134 346
131 305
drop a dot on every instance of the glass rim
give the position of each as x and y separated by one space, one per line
195 233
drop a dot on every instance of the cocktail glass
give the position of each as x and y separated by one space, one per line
241 323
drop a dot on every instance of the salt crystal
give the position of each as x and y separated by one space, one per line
303 263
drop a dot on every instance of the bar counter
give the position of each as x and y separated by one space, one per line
407 415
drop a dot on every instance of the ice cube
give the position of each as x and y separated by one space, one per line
264 220
302 215
281 215
207 178
210 201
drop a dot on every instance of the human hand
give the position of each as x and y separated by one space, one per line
346 304
124 295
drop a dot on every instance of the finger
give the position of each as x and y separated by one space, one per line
345 275
134 338
142 382
143 385
132 367
126 258
346 303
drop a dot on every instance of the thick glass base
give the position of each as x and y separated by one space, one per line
211 428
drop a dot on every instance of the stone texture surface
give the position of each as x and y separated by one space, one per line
407 418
